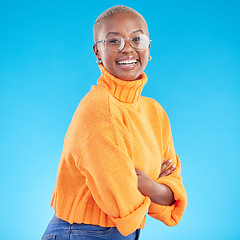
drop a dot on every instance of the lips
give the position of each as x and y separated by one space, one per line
127 62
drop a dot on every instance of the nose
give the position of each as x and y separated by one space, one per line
127 45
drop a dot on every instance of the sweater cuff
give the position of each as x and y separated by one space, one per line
170 215
129 224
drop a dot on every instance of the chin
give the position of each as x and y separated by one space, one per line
124 73
128 77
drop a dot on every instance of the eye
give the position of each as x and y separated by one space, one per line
136 39
114 40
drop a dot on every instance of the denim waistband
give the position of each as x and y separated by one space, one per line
76 226
62 230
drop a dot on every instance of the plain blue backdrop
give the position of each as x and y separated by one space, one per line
46 67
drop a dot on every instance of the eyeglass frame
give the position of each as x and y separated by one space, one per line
124 43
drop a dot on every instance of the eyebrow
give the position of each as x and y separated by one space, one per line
117 33
138 31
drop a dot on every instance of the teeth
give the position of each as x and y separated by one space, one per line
127 62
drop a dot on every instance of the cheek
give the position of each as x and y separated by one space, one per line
144 57
106 55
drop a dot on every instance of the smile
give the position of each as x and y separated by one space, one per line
127 62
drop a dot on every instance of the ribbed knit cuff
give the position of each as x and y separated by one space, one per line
170 215
131 223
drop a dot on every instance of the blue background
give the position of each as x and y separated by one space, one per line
46 67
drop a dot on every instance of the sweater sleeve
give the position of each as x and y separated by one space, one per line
110 176
171 215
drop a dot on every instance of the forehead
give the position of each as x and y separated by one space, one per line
123 23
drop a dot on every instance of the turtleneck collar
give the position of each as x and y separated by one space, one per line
124 91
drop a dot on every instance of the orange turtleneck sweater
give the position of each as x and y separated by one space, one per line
113 132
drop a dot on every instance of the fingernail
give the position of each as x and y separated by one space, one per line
173 166
170 160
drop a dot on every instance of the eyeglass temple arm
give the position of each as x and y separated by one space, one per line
100 41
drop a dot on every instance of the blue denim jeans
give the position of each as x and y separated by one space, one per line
61 230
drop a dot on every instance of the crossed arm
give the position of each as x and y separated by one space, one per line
158 193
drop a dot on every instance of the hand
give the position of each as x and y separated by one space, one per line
145 184
165 169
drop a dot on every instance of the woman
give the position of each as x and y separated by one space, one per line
112 169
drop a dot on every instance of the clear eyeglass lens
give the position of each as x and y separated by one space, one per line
139 42
114 43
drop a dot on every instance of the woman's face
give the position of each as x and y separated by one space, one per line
126 25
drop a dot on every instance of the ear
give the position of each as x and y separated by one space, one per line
96 52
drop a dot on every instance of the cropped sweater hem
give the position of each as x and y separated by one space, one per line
68 210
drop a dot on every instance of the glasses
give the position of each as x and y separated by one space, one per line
116 43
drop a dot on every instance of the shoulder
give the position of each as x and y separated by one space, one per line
91 113
94 107
153 105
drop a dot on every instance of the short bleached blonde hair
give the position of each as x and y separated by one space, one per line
110 12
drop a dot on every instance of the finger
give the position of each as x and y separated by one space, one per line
168 171
166 164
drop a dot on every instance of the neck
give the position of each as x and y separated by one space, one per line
123 90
